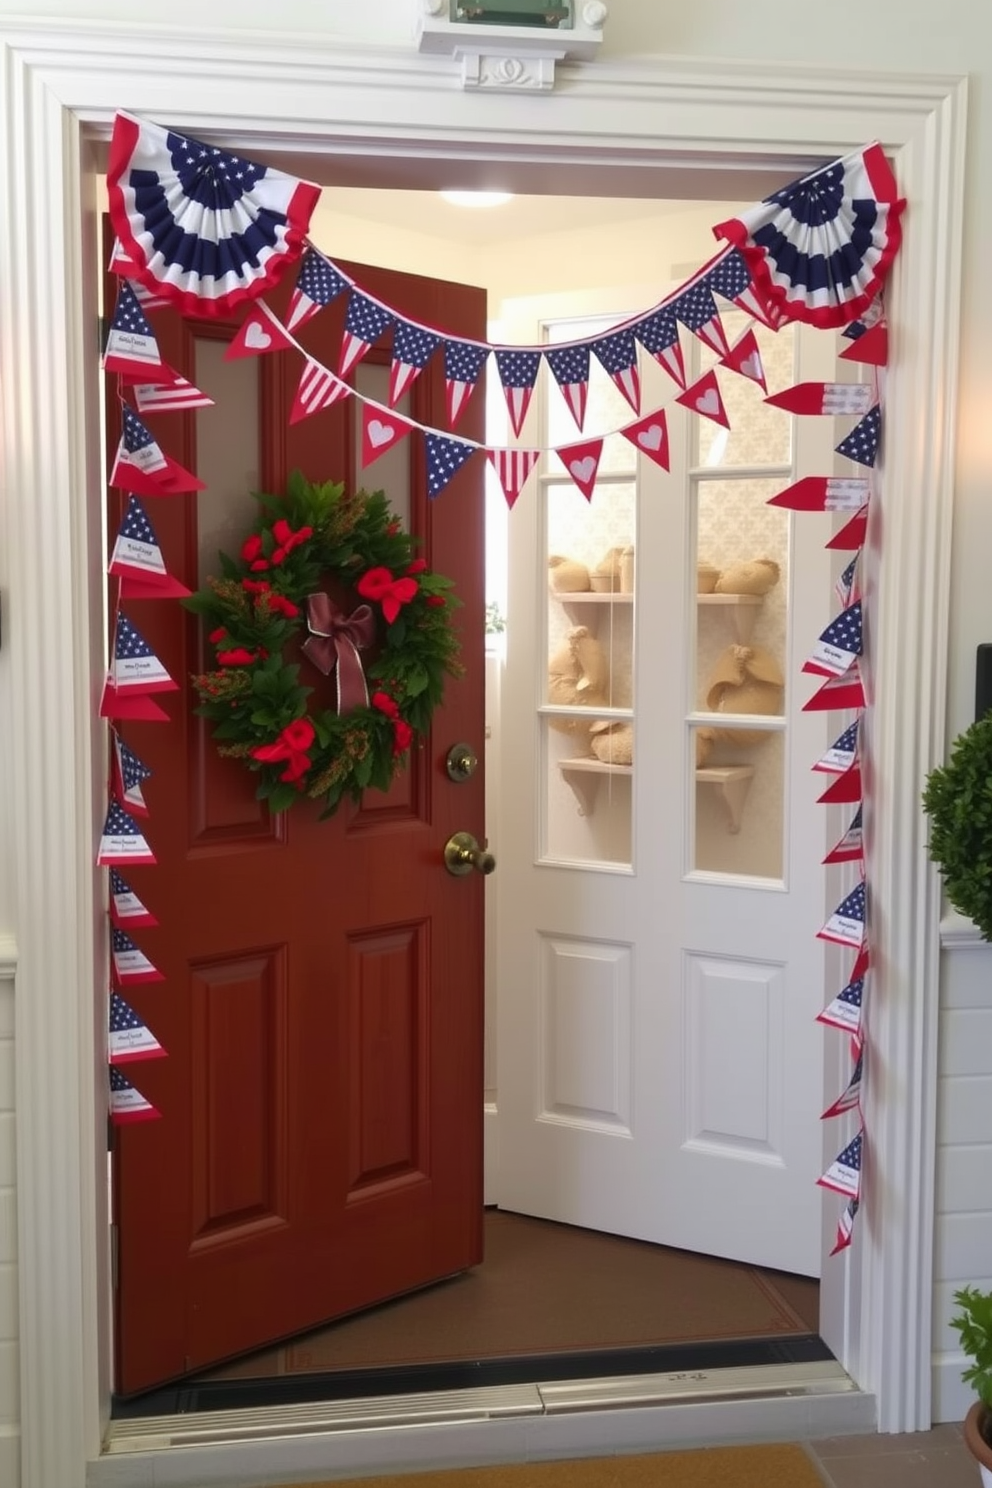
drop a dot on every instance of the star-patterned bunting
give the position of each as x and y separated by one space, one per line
518 374
463 364
317 284
445 457
364 322
862 442
570 369
413 347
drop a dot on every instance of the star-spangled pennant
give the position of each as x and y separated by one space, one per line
658 333
260 332
518 374
138 558
141 464
844 1173
131 344
869 317
696 308
842 752
851 847
744 357
134 666
839 645
617 355
850 1097
126 909
845 691
318 388
570 369
122 840
845 1227
731 280
317 284
130 1038
847 587
582 463
847 493
364 322
381 431
128 777
846 926
825 397
870 349
650 436
513 468
169 393
845 1010
853 533
126 1102
862 442
445 457
844 789
413 347
463 364
704 397
121 263
130 962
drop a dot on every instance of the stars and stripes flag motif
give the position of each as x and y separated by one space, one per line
582 463
839 645
129 776
844 1174
658 333
135 666
731 280
570 369
126 1102
650 436
850 1097
862 442
317 284
122 840
317 388
617 354
825 493
847 587
853 533
696 308
744 357
121 263
260 332
364 322
825 397
126 909
518 374
845 691
445 457
141 465
850 848
463 364
169 393
131 344
137 559
381 431
869 317
413 347
845 1227
845 1010
130 1038
843 789
130 962
846 926
513 468
842 752
704 398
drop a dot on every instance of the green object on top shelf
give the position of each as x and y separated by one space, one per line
545 13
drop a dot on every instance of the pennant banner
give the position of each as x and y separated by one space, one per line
130 1038
126 909
127 1103
844 1173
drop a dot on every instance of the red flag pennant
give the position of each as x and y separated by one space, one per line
134 666
129 775
137 557
850 848
130 1037
513 468
704 397
131 345
850 1097
745 357
122 840
825 397
838 692
852 535
318 388
582 463
381 431
825 493
845 1228
126 909
843 789
130 962
126 1102
142 709
168 393
871 349
142 465
261 331
650 436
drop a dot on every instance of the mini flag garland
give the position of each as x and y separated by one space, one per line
130 1038
126 909
127 1103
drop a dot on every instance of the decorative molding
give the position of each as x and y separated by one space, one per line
514 59
8 958
509 74
958 933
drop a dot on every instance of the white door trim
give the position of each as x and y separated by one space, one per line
59 86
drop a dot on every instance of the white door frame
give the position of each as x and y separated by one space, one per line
59 87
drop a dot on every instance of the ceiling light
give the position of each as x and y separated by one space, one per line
477 198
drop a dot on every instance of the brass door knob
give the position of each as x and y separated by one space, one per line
462 853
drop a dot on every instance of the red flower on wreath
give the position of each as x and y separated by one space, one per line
378 584
239 656
402 732
291 746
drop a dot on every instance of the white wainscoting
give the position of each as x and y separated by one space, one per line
10 1434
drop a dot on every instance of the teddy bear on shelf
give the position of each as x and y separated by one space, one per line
612 743
745 679
578 675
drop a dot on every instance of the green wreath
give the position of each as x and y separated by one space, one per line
384 602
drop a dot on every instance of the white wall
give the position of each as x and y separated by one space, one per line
8 1240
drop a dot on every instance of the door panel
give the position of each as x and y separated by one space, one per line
320 1147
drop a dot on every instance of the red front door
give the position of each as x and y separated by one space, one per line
320 1147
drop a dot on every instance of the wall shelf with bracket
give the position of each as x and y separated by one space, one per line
741 609
585 608
733 783
583 777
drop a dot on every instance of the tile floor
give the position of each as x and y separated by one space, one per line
925 1459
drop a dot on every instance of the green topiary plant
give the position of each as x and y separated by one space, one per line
958 801
974 1327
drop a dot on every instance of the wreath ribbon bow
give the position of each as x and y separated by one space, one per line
335 640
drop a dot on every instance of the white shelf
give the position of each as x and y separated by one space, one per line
733 782
583 776
741 608
575 604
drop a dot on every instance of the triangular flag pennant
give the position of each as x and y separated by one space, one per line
844 1173
839 645
704 397
861 962
731 279
850 848
650 436
846 926
413 347
121 263
870 349
122 840
463 364
847 587
126 909
131 344
862 442
125 705
617 354
260 332
130 962
845 1010
844 789
364 322
825 397
130 1038
658 333
745 357
128 777
872 314
381 431
850 1098
846 691
842 752
142 465
696 308
317 284
169 393
852 535
825 493
582 463
845 1227
127 1103
318 388
134 667
518 374
137 556
513 468
570 369
445 457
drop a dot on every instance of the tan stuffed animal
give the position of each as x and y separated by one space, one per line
754 577
613 743
578 674
567 575
746 679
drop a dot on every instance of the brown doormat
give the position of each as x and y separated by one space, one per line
778 1466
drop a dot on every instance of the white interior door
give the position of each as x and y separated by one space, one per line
659 1066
